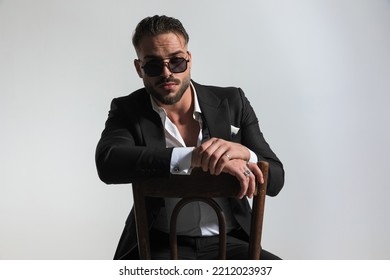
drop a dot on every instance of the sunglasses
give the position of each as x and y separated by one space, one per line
155 67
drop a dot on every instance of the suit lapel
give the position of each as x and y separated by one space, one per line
215 111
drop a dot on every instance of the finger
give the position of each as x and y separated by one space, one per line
207 154
251 181
257 172
201 150
212 154
244 185
218 159
247 183
223 160
260 177
251 186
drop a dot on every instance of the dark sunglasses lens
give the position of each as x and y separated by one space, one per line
177 65
153 68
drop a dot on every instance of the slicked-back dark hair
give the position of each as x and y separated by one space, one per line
156 25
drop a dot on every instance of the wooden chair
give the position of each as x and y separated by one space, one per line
203 187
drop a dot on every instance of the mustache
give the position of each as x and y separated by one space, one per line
168 80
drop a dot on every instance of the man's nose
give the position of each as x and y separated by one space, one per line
166 72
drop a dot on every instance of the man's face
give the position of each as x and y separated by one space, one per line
166 88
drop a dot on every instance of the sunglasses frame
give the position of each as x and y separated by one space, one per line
166 64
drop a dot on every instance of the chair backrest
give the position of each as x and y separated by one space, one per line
198 186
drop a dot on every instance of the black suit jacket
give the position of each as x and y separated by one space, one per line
132 147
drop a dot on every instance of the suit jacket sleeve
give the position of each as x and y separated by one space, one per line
123 154
253 138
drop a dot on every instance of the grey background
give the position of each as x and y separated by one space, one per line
316 72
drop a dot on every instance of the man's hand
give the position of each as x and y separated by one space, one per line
218 155
213 155
246 174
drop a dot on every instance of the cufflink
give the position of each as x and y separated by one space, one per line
176 169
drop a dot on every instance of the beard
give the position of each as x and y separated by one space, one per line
169 99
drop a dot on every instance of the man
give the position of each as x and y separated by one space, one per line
173 125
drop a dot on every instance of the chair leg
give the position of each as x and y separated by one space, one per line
141 224
258 215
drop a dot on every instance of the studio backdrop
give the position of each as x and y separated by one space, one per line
316 72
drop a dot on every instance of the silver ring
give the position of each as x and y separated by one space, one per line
247 172
227 156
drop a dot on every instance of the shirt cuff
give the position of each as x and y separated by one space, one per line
181 161
253 158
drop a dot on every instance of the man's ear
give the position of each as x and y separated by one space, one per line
137 66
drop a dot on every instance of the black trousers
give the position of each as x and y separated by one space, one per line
202 248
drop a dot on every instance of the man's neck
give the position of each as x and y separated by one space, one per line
182 116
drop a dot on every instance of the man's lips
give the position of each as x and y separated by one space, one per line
167 85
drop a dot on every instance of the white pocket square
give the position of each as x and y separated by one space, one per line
234 130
